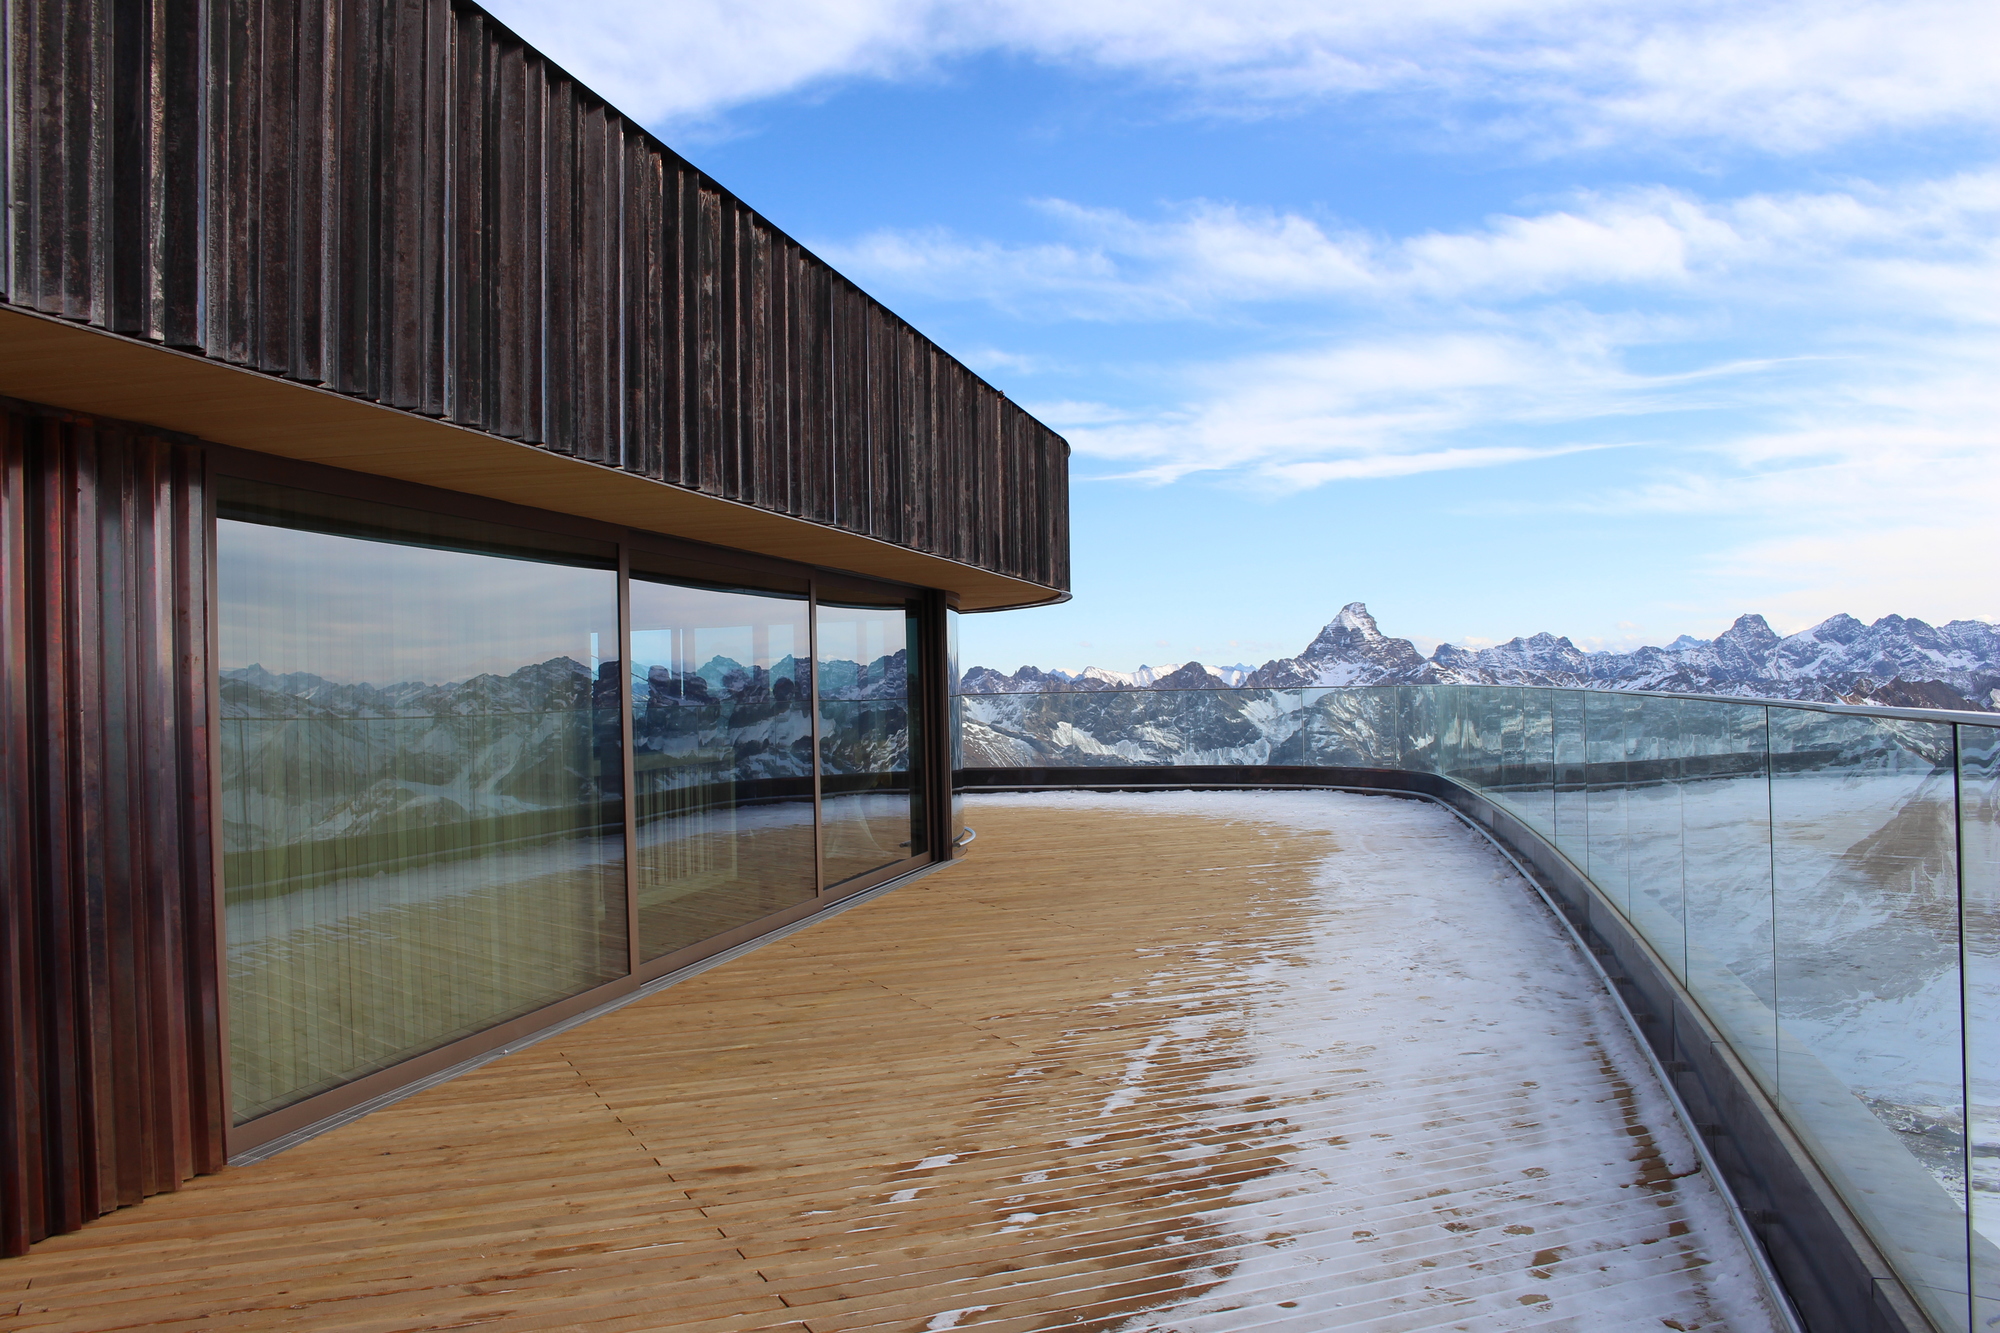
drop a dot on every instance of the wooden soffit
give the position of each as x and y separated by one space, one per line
66 365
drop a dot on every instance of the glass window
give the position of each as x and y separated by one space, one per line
423 822
871 793
722 759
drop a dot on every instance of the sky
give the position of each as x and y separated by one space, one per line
1500 316
382 613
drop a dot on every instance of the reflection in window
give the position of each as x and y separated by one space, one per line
421 771
871 808
722 759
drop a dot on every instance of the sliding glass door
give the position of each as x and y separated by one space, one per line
722 758
871 744
422 782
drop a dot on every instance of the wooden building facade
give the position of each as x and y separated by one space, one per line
375 273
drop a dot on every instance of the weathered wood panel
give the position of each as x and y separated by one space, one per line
110 1065
401 201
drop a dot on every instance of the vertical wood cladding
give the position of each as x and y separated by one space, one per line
399 200
110 1073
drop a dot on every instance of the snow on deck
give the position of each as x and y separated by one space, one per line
1472 1138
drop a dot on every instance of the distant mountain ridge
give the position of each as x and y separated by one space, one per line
1896 661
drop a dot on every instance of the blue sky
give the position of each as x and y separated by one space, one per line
1613 320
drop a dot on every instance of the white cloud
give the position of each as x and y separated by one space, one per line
1931 247
1779 75
1370 408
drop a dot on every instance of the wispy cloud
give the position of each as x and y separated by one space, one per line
1933 244
1374 407
1782 75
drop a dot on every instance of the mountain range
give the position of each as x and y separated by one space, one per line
1896 661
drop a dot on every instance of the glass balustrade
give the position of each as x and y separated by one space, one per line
1824 883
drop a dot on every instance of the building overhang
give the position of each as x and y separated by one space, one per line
72 366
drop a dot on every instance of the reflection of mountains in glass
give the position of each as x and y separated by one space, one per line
309 762
864 724
557 685
307 759
722 723
722 678
727 723
884 678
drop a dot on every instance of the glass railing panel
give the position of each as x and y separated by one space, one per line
1508 773
1535 786
1653 835
1979 872
1479 740
1571 798
1448 700
1871 1042
1418 732
1726 851
1506 700
1498 714
1385 721
1604 723
1339 728
1501 713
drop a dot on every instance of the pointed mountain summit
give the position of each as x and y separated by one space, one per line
1351 650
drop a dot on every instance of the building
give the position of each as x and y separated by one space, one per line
460 569
460 562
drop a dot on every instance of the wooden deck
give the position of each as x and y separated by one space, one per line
1024 1093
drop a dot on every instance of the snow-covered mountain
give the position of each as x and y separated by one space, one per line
1034 680
1895 661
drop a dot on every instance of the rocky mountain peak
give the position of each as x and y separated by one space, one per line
1191 676
1751 633
1355 616
1353 636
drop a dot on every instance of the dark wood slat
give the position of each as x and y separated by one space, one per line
175 117
559 292
511 232
112 1078
352 184
595 326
